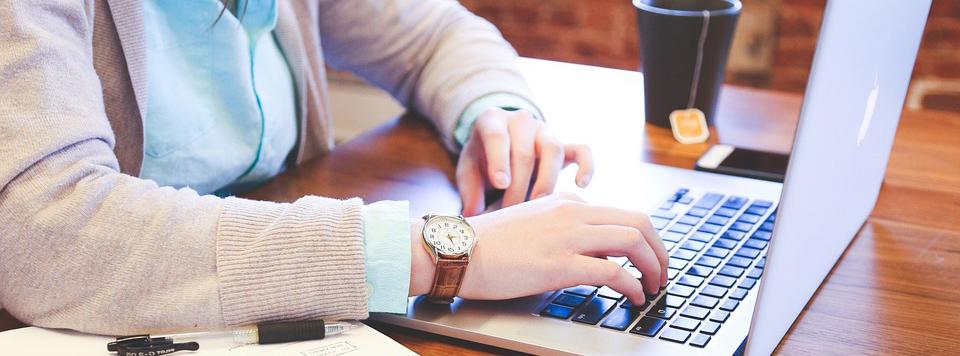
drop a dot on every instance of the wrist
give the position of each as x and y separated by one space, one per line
422 266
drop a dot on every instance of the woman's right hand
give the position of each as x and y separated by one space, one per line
551 243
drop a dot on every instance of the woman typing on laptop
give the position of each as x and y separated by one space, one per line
130 125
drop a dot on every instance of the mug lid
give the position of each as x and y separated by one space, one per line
734 7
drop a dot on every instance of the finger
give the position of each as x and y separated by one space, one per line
653 239
600 215
523 133
470 180
495 140
615 240
550 152
583 157
598 271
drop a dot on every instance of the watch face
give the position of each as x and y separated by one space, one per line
449 235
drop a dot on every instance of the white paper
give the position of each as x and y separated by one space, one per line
360 341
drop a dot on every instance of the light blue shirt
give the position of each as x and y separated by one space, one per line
221 118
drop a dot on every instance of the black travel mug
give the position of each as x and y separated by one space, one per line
684 46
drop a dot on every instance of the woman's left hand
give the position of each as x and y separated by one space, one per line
510 150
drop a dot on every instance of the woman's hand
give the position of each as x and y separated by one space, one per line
505 150
552 243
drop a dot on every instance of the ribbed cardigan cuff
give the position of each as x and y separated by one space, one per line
480 84
291 261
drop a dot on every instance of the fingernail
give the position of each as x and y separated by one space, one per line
501 179
584 181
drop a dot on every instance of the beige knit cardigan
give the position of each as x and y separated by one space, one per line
86 245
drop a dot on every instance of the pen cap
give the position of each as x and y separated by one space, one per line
287 331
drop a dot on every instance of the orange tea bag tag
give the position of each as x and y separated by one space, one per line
689 126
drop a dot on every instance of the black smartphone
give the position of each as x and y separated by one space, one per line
742 162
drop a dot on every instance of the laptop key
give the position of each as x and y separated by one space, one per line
762 263
648 326
682 291
704 301
666 205
677 263
738 294
749 218
557 311
756 210
733 235
667 245
709 201
723 281
693 245
710 228
718 220
680 228
700 340
738 261
710 328
664 214
569 300
594 310
695 312
684 254
689 220
767 226
672 236
762 235
755 273
748 252
700 271
672 273
702 236
747 283
609 293
719 316
685 200
725 212
620 318
659 223
675 335
741 226
735 202
662 312
729 305
672 301
685 324
708 261
717 252
714 291
762 203
725 243
585 291
690 281
755 243
698 212
731 271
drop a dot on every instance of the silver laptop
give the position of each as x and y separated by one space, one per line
746 255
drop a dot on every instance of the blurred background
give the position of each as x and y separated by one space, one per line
772 49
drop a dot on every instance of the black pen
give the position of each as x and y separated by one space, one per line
262 333
271 332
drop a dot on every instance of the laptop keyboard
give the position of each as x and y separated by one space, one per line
717 246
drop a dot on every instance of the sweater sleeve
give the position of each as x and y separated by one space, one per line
432 55
85 247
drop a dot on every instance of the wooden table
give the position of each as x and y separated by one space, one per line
896 290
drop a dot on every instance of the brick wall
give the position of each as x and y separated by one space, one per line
603 33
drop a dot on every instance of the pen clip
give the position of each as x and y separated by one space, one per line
157 349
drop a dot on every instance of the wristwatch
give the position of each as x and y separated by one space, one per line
450 240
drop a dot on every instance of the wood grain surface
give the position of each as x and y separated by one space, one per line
896 290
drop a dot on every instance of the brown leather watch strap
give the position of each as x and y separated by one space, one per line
446 282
